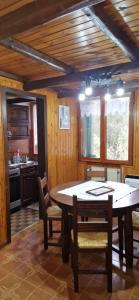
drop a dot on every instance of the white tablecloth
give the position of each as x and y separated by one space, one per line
120 190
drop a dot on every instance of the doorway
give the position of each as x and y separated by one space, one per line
28 162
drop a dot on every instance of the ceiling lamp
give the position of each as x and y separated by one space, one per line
120 89
81 96
88 91
88 88
107 96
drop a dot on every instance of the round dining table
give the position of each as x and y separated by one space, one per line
121 209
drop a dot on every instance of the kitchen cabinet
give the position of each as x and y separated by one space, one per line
18 121
28 179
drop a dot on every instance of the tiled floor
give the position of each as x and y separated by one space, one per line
23 218
29 272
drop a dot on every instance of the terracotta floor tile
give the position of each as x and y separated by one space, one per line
24 290
37 278
40 294
27 271
69 294
3 272
24 271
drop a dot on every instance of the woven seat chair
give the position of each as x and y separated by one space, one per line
133 181
50 213
135 223
99 173
92 236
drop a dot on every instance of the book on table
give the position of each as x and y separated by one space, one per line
100 191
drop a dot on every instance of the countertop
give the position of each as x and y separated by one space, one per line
23 165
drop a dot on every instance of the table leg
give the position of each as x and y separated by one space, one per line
120 235
128 233
65 236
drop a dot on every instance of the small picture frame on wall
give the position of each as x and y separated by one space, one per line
64 117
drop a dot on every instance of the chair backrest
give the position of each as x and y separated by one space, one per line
100 212
43 194
96 173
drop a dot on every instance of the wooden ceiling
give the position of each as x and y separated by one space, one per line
92 37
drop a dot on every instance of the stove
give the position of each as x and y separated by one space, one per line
14 172
14 179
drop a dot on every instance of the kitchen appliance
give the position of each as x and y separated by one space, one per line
14 179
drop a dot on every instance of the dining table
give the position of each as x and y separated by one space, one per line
125 200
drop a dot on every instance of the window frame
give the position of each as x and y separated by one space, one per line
103 122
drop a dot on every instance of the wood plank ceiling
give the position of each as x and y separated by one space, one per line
76 40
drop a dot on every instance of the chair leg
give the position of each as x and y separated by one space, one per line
45 224
75 270
83 219
109 271
50 228
76 281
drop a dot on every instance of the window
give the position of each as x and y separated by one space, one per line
106 130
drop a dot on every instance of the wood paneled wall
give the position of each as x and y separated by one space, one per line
3 187
62 143
134 169
3 225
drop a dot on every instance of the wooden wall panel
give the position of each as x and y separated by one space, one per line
62 143
134 170
3 226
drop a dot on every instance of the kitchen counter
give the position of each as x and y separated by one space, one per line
23 165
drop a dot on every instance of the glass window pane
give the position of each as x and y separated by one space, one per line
90 128
117 116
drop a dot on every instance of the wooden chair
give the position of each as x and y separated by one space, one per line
100 174
133 181
96 173
92 236
50 213
135 223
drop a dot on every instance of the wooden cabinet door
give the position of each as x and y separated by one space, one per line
18 121
28 187
18 113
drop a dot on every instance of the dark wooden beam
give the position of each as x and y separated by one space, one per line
37 13
97 91
81 76
122 36
12 76
26 50
19 100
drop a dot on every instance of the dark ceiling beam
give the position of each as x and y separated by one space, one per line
12 76
97 91
122 38
37 13
19 100
26 50
81 76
